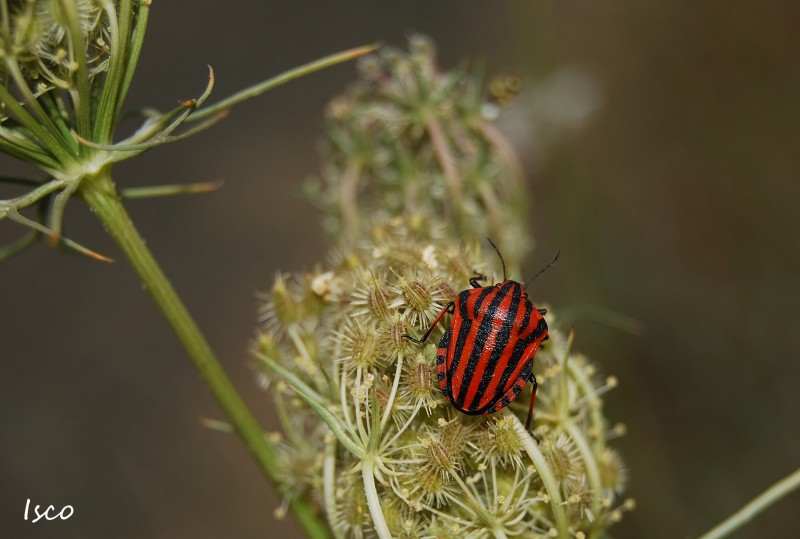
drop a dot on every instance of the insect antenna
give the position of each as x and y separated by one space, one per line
503 262
555 258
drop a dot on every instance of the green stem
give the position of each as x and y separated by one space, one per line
758 504
549 481
101 196
592 470
283 78
373 500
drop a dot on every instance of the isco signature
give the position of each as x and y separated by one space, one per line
49 513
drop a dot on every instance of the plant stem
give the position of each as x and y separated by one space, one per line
592 470
548 479
373 500
100 194
758 504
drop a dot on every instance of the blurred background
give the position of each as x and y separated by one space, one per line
661 142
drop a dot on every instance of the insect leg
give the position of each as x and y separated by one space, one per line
474 280
533 399
449 308
542 311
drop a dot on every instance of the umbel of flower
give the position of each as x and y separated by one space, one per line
410 139
367 433
39 35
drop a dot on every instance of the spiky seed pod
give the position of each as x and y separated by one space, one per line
580 497
440 457
562 456
419 381
357 346
284 304
393 333
432 487
421 294
613 472
500 444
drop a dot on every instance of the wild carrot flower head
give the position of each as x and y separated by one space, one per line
414 177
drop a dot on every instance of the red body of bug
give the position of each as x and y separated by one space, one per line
485 357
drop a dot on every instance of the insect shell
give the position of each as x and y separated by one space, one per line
485 357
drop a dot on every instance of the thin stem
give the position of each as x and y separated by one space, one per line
347 197
362 432
402 429
292 433
592 469
283 78
446 160
393 392
134 49
350 427
758 504
58 116
119 29
30 100
47 138
595 412
81 96
170 190
100 194
549 480
16 247
32 196
316 402
373 501
329 485
41 229
564 386
474 502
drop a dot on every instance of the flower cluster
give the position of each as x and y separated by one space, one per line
408 139
47 39
65 68
366 432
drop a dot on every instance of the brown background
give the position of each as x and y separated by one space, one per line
676 205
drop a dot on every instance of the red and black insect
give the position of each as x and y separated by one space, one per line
485 357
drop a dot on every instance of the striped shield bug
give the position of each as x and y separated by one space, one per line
485 358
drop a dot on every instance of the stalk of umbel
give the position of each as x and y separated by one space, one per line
65 70
414 177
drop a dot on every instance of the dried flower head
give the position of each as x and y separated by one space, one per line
411 140
41 35
414 178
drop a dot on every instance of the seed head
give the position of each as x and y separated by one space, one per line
580 497
391 337
420 294
413 182
562 456
499 444
433 486
357 346
373 300
284 305
613 472
440 457
419 381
